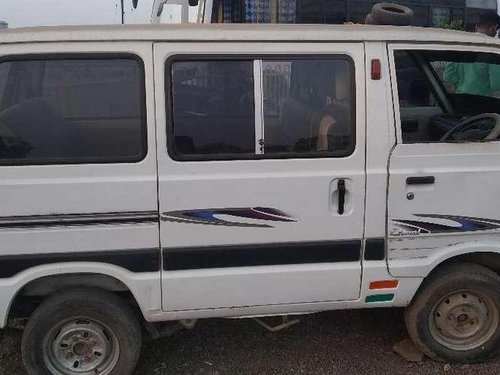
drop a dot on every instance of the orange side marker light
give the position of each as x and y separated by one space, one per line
384 284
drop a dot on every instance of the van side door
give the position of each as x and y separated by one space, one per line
261 173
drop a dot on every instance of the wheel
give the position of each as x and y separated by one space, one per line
456 315
392 14
82 331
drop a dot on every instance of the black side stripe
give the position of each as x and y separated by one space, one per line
375 249
261 255
136 260
33 221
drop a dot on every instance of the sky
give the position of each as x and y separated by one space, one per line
19 13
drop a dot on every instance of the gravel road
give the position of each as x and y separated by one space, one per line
339 342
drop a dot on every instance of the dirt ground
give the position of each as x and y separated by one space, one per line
340 342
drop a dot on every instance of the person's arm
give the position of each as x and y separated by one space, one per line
495 77
324 126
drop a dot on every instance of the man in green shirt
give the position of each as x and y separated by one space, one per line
477 78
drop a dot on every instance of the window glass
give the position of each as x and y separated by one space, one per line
308 106
213 107
468 85
413 88
72 111
4 71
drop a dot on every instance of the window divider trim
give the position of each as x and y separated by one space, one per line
259 107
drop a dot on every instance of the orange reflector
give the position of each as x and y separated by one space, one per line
385 284
376 70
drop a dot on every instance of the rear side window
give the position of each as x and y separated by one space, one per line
72 110
261 108
308 107
213 107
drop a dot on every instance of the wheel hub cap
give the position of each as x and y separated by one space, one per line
81 346
464 320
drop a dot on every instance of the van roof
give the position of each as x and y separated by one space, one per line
240 33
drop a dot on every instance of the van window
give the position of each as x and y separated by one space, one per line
467 85
72 110
213 107
413 88
308 106
305 108
4 71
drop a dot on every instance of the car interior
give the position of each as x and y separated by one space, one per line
312 113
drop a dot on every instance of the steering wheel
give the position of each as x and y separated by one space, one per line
471 123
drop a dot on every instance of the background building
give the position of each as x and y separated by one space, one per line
435 13
4 25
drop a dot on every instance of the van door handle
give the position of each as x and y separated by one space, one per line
424 180
341 189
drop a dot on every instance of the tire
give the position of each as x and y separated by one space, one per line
369 20
85 329
392 14
456 315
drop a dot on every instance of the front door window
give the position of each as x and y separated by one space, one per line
458 94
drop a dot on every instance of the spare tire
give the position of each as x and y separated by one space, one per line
370 20
392 14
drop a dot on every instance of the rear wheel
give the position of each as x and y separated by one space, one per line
82 332
456 315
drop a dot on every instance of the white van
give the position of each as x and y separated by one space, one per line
152 174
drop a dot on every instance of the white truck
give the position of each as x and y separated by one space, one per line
166 173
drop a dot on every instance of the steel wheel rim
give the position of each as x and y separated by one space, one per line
81 346
464 320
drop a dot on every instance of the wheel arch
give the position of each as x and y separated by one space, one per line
488 259
143 290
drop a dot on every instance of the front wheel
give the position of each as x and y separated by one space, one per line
82 332
456 315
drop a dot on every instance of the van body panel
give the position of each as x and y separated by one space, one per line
92 212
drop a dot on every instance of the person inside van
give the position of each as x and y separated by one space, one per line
334 124
315 114
478 78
